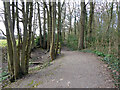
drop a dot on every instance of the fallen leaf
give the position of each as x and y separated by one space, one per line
68 83
61 79
53 80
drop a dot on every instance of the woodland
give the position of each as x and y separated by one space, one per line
52 26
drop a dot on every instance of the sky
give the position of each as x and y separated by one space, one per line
2 26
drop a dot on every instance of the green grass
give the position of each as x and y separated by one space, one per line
3 42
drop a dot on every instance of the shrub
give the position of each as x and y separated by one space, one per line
72 42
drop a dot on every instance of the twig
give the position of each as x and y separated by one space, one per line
3 32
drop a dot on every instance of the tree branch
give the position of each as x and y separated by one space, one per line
3 32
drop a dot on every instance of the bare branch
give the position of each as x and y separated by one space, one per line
3 32
16 7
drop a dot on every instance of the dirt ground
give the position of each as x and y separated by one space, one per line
72 69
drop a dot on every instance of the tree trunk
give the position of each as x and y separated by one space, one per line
9 44
119 44
50 21
40 25
25 34
63 24
44 27
75 22
13 41
48 27
82 26
19 36
91 22
59 27
13 15
52 48
29 37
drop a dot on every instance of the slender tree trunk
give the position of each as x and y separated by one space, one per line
91 22
119 44
44 27
110 17
70 28
29 37
9 44
59 27
18 54
63 24
86 28
13 15
10 25
75 22
108 29
39 25
34 28
19 36
82 26
50 21
48 27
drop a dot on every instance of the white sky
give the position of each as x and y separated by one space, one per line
1 7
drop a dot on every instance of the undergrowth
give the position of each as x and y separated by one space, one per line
72 42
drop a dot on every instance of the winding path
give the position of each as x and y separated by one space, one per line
72 69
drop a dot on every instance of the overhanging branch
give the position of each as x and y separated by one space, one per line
3 32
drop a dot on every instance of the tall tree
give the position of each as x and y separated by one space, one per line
18 54
70 19
34 26
52 48
9 43
50 21
108 28
75 23
28 50
48 27
39 18
59 26
19 36
82 26
44 25
25 34
119 43
63 22
13 63
91 21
